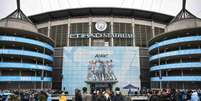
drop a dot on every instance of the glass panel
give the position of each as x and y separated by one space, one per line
59 35
79 28
43 30
143 34
158 30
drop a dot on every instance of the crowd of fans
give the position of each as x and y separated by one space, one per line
151 95
174 95
100 95
26 95
46 95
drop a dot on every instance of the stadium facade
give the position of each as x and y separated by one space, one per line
26 56
175 56
100 47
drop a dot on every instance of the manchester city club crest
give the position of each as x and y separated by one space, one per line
101 25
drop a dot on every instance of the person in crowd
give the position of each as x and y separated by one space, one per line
42 96
118 96
12 98
31 97
86 96
165 96
188 96
1 98
173 95
63 97
94 95
78 95
107 95
155 96
25 97
194 96
179 95
49 98
112 95
36 96
199 93
100 96
149 94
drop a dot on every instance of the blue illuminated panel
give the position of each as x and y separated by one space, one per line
24 78
177 78
24 66
26 40
174 41
177 66
78 60
25 53
176 53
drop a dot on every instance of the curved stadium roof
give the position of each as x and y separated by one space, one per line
101 11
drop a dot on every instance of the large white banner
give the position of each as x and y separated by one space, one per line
82 64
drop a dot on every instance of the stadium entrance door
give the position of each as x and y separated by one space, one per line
101 85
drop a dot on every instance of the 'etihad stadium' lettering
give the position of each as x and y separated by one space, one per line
102 35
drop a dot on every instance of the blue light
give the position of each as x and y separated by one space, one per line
25 53
177 78
26 40
175 53
174 41
24 78
177 66
24 65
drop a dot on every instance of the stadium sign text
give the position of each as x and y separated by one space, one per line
102 35
101 55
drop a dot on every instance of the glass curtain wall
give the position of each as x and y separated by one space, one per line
124 28
59 34
158 30
79 28
143 34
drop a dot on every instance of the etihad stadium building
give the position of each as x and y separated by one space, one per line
175 56
100 48
26 56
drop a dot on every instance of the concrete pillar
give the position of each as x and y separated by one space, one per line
182 72
90 27
112 31
35 82
21 60
19 87
133 31
49 28
152 28
68 34
20 73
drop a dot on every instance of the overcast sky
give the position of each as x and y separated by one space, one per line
32 7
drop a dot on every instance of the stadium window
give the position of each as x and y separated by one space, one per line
59 35
158 30
143 34
43 30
